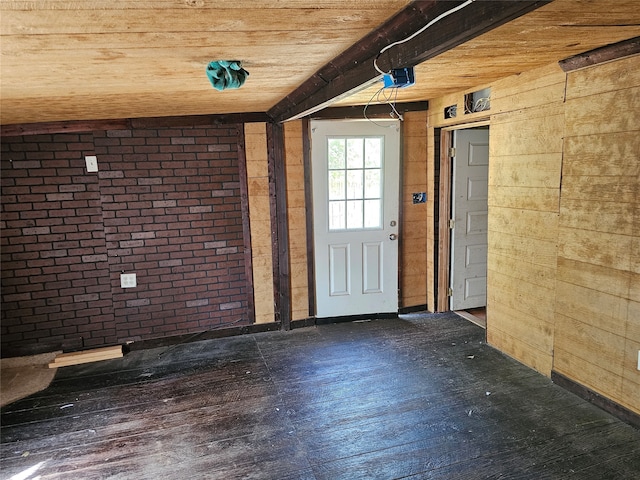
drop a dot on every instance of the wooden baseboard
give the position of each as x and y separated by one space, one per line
472 318
206 335
413 309
305 322
355 318
604 403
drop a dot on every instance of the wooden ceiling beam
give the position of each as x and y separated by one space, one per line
78 126
353 70
381 110
607 53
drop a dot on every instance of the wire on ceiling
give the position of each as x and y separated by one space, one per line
410 37
388 99
392 98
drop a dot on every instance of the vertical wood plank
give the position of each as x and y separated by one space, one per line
279 229
260 221
413 253
297 219
246 225
308 200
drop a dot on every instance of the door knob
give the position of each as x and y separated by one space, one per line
393 236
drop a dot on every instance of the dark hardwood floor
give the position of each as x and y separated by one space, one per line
418 397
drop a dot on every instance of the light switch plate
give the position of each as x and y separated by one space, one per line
128 280
92 163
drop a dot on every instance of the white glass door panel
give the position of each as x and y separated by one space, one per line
355 167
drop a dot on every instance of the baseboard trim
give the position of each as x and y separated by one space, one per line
305 322
413 309
205 335
595 398
355 318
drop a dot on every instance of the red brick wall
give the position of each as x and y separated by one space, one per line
165 205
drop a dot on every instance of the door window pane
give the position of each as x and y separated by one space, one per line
336 185
373 153
337 219
354 214
355 184
372 183
372 214
336 153
355 152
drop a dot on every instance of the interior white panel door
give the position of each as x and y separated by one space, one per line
470 214
355 170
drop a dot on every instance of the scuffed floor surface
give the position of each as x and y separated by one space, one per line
418 397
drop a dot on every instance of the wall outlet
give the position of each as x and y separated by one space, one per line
92 163
128 280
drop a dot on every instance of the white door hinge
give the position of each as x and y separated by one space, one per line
450 292
452 151
452 223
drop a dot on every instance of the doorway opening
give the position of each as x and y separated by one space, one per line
461 241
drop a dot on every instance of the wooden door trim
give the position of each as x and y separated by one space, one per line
443 252
443 243
308 200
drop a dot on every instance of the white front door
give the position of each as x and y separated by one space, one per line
470 213
355 167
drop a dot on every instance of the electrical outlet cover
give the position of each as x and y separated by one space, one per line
128 280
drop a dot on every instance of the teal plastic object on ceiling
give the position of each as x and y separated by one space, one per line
225 74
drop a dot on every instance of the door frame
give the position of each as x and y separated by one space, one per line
444 137
310 230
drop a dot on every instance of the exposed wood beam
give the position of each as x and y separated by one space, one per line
354 69
279 224
373 111
128 123
45 128
600 55
195 120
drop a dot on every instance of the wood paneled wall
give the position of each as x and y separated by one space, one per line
296 216
415 217
563 289
597 330
525 161
260 220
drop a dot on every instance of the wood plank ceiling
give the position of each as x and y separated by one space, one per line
100 59
109 59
